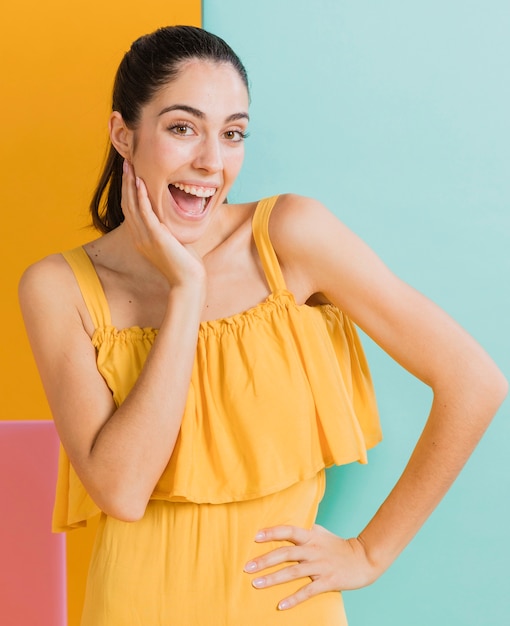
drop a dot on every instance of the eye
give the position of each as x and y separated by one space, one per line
183 130
235 135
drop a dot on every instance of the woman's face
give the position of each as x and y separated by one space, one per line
189 145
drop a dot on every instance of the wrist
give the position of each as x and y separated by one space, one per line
189 297
378 553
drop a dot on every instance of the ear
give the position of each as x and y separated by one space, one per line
120 135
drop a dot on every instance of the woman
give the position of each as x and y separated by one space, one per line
202 368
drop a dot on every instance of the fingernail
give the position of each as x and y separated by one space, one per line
137 182
259 582
125 166
284 604
260 536
250 567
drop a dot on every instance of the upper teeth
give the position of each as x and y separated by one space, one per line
201 192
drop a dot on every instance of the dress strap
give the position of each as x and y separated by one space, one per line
90 286
260 226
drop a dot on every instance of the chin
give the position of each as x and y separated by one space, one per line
187 235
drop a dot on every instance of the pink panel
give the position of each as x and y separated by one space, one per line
32 558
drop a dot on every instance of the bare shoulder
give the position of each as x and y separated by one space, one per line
305 222
46 278
307 237
48 290
46 273
291 207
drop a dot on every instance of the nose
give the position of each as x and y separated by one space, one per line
209 155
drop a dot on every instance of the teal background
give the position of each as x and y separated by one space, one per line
395 114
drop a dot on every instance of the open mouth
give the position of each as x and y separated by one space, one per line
192 200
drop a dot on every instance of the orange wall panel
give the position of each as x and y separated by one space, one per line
57 60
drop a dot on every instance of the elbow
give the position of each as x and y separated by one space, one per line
118 492
480 388
125 507
502 387
487 393
495 386
123 512
126 514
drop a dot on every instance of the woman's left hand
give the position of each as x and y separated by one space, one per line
332 563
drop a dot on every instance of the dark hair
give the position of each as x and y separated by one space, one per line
152 61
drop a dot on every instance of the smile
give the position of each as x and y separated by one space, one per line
201 192
192 200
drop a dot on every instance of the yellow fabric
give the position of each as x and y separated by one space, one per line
182 565
277 393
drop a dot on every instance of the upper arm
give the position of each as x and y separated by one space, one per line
55 321
333 261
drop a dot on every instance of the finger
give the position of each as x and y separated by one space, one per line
145 210
128 198
285 575
294 534
304 593
285 554
137 208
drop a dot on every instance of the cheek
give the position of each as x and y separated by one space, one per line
151 163
234 162
151 150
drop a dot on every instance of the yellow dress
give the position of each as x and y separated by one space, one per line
278 393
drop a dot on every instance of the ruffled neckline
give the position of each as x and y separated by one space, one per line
279 299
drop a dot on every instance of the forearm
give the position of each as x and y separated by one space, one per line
456 423
134 445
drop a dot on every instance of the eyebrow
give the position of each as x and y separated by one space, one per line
200 114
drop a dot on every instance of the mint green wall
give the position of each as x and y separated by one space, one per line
396 115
